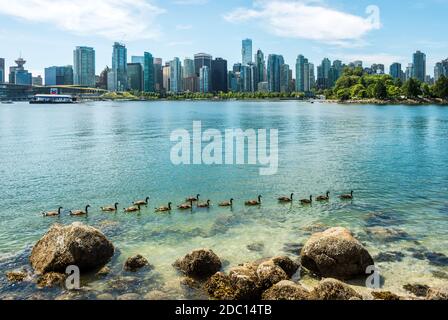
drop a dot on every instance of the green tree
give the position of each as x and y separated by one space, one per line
380 90
441 88
412 88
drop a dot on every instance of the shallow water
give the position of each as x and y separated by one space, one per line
394 157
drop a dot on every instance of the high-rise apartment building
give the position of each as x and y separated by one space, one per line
246 51
274 70
59 76
419 63
219 75
176 76
148 73
84 66
120 66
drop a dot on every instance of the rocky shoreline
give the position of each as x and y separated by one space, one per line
333 257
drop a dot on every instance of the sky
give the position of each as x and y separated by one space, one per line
45 32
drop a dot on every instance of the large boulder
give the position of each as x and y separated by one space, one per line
286 290
335 253
269 274
332 289
288 265
75 244
200 263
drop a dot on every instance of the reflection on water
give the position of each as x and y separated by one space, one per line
394 157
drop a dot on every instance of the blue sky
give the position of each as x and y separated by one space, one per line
46 31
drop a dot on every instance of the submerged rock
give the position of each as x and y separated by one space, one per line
135 263
286 290
391 256
104 271
293 248
440 274
418 290
200 263
157 295
256 247
129 296
76 244
51 279
335 253
17 276
332 289
387 234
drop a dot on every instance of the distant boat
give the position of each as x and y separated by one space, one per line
52 99
7 102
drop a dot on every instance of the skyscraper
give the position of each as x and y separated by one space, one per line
138 59
37 81
84 66
204 79
176 76
166 72
219 75
302 74
18 74
2 70
59 76
419 62
200 60
135 76
441 69
120 66
158 74
409 71
275 63
323 74
261 67
188 68
246 51
396 71
148 73
285 78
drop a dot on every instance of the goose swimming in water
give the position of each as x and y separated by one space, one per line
204 204
132 209
194 199
226 203
142 202
52 213
186 206
307 201
286 199
347 196
80 212
254 202
113 208
164 209
324 197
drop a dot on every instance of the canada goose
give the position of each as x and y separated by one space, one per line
164 209
194 199
186 206
204 204
254 202
226 203
286 199
307 201
113 208
80 212
52 213
132 209
324 197
347 196
141 202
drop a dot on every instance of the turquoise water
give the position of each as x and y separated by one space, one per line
394 157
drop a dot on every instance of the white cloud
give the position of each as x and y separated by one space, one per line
112 19
307 19
184 27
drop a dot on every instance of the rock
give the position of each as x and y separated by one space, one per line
288 265
104 271
76 244
135 263
335 253
392 256
384 295
437 259
157 295
293 248
200 263
269 274
122 284
105 296
418 290
17 276
219 287
129 296
437 294
286 290
51 279
257 247
387 234
332 289
440 274
190 283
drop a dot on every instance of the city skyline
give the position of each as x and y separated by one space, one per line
176 29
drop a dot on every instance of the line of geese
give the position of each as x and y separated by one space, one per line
189 204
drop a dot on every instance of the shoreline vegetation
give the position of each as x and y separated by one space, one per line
354 86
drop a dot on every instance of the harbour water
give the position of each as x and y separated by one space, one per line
395 158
